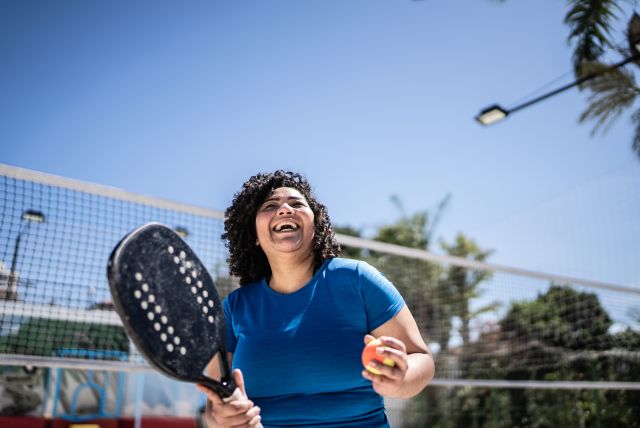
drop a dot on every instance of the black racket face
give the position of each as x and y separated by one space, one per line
167 301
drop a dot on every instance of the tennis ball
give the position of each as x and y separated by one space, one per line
369 353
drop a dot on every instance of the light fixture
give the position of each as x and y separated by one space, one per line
495 113
28 216
33 215
491 115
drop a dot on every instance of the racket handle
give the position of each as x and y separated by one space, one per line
237 395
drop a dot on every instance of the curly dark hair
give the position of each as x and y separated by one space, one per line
248 261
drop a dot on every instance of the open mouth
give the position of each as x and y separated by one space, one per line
286 226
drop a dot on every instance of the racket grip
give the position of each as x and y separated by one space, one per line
237 394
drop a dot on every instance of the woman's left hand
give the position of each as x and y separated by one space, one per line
391 379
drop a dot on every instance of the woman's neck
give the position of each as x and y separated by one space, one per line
290 275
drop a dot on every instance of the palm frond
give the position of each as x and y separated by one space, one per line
613 91
590 22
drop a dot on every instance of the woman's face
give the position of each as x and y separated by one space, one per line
284 223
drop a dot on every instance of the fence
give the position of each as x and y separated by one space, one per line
502 336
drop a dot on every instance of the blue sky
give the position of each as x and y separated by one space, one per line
367 98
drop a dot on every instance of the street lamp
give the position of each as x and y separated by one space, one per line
28 217
496 113
491 115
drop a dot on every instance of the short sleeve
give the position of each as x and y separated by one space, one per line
381 298
232 339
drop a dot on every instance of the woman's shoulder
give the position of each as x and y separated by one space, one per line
352 265
340 265
357 271
349 268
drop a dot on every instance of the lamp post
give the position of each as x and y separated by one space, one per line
28 217
496 113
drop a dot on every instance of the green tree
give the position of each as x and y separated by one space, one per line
613 90
349 252
563 334
434 294
417 280
560 318
457 288
461 284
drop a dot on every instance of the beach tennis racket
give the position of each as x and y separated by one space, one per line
170 307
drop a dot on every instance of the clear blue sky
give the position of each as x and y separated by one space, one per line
367 98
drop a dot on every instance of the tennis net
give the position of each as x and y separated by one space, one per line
488 325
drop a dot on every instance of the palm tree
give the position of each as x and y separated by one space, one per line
614 90
462 285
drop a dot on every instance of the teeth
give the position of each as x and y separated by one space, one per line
281 226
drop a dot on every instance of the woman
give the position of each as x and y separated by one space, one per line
296 325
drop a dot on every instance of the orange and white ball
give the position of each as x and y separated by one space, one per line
369 353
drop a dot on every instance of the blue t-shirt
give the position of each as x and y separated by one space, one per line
300 353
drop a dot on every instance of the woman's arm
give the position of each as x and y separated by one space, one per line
414 365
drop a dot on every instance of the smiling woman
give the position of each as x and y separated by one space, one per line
297 325
247 260
285 229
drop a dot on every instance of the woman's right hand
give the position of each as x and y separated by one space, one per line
237 414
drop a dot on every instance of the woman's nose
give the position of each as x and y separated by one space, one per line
285 209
